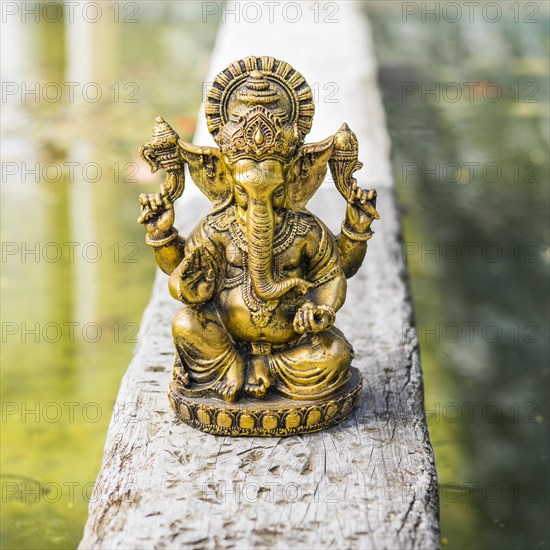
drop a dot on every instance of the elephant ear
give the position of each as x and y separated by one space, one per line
308 171
208 171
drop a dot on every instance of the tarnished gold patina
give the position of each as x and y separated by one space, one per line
260 278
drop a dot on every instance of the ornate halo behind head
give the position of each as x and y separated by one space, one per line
255 104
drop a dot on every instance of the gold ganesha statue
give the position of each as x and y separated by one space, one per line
260 278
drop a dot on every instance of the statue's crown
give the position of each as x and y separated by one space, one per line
259 108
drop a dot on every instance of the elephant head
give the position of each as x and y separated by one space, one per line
259 189
259 110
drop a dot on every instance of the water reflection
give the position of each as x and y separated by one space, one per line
76 274
472 178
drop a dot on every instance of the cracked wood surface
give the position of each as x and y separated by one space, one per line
369 482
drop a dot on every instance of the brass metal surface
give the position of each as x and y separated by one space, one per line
260 278
272 416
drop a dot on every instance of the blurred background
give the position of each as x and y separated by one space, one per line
467 106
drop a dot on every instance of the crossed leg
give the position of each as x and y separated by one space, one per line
206 352
315 367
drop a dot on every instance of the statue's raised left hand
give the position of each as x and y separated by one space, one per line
157 213
313 318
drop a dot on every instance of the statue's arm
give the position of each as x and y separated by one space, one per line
325 272
162 236
170 255
356 231
328 291
332 293
352 253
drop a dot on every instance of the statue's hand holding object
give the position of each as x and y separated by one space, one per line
313 318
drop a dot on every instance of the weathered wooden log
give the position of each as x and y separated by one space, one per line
369 482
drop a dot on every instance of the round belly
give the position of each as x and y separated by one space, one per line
238 320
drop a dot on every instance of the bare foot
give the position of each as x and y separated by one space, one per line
178 371
257 380
231 383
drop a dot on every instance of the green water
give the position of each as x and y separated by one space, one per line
472 179
76 273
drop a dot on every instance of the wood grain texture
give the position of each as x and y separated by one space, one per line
369 482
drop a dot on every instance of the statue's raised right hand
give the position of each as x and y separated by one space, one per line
157 213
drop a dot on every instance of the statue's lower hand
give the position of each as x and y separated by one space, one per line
356 217
197 277
313 318
157 213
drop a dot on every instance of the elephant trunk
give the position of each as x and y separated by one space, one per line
261 230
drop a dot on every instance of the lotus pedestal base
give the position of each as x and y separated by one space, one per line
274 416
